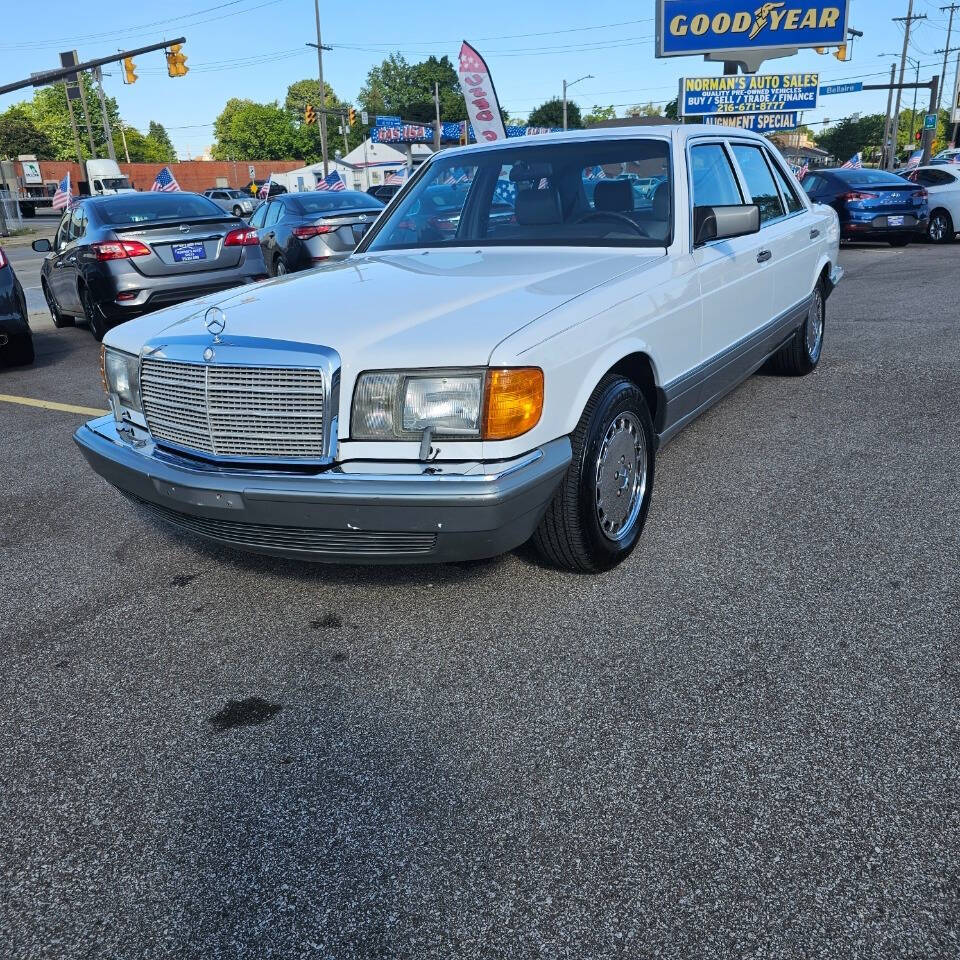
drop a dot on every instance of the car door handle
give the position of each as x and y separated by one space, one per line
814 234
763 256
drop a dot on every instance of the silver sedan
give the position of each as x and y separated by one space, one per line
237 202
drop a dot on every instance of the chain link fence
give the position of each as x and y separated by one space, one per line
10 216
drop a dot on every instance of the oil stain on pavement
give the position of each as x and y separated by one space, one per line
244 713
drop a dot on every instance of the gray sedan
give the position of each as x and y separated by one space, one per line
237 202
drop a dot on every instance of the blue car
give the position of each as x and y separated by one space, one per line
873 205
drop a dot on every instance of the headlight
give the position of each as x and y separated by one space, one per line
121 380
454 404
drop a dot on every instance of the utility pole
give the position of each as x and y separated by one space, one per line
436 103
107 132
907 22
930 135
86 117
123 137
323 91
73 126
886 126
955 106
953 8
344 127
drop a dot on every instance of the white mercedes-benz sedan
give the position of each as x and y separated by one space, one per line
502 357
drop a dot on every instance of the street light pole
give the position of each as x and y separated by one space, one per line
566 86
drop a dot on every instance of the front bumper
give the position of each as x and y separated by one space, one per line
353 513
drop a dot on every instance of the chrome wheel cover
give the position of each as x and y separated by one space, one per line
281 268
814 327
938 228
621 477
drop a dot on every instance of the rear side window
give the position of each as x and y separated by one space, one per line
148 207
273 214
714 184
759 180
794 204
813 184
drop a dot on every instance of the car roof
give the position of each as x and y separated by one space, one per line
653 131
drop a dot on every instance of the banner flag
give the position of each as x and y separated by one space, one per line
483 108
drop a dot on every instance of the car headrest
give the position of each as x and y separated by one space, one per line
613 195
537 207
661 202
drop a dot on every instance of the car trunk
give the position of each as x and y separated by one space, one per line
183 247
887 198
349 227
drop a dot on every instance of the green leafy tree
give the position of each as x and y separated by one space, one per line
142 149
644 110
389 87
550 114
245 130
850 136
19 133
158 134
598 114
672 110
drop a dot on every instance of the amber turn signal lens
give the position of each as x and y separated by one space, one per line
513 402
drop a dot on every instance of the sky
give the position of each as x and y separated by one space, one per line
256 48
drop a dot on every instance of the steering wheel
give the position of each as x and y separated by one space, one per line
612 215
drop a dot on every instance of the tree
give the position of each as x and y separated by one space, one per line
598 114
158 134
672 110
389 87
20 134
254 131
851 136
302 92
644 110
550 114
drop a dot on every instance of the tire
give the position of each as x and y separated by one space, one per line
800 355
941 229
588 528
93 315
60 320
280 268
900 242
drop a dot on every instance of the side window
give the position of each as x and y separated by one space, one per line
812 184
63 232
273 214
78 223
794 203
759 181
714 184
258 216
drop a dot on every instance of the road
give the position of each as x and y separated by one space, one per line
742 743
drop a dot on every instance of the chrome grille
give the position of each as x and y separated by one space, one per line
256 412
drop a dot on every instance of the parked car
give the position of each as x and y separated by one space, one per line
118 257
253 188
873 205
950 155
942 184
445 398
16 340
300 230
237 202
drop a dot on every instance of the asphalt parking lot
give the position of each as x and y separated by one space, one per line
742 743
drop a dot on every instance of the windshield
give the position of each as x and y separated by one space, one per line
329 202
116 183
143 207
594 193
875 177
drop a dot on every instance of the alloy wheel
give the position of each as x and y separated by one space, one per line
814 328
621 477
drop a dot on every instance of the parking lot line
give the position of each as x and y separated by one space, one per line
51 405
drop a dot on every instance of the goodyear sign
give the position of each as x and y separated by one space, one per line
758 122
688 27
748 93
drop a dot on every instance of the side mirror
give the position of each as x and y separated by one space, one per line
42 246
724 223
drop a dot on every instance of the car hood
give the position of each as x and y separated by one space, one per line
419 308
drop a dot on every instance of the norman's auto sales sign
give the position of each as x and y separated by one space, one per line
690 27
743 93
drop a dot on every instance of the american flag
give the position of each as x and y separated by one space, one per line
396 177
264 191
803 171
594 173
914 160
62 198
854 163
333 181
505 192
165 182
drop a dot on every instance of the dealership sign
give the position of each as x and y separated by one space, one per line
748 93
688 27
758 122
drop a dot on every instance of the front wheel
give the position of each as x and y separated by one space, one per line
596 517
800 355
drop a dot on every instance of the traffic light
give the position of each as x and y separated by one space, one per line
176 61
129 70
918 136
351 116
309 115
841 53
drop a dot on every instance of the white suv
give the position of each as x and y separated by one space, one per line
501 359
